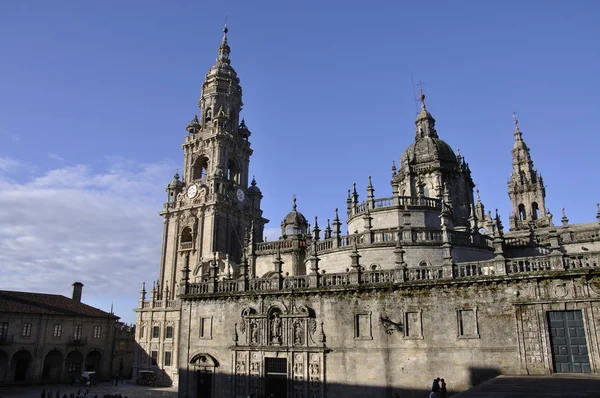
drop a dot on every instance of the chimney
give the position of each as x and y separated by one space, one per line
77 287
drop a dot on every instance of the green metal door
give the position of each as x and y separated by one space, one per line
567 337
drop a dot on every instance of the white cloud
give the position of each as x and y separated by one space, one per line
54 156
77 224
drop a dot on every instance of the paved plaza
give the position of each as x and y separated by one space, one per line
555 386
126 390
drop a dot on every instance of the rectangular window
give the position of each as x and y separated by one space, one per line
167 361
73 367
57 330
142 331
206 327
413 328
3 330
154 355
467 323
122 345
362 326
97 332
26 330
169 333
155 332
77 334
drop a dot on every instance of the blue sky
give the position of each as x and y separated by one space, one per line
95 97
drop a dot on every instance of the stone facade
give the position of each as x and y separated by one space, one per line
425 284
51 338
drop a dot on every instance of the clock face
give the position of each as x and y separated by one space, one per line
239 194
192 191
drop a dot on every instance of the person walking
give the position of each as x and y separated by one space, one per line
443 390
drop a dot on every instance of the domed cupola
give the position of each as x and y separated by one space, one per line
429 166
174 188
428 147
294 225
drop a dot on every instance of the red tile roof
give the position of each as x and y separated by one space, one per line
47 304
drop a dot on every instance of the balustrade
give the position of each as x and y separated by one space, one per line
386 276
528 265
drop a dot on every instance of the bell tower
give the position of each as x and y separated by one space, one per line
526 188
212 209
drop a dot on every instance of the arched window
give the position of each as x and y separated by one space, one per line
535 211
200 169
186 235
522 213
423 263
233 172
208 115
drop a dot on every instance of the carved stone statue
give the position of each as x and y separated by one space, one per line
297 333
276 328
253 332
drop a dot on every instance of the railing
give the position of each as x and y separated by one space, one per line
227 286
260 284
403 201
77 341
185 245
271 246
393 275
585 235
528 265
172 303
466 270
425 273
378 276
296 282
383 203
580 261
517 242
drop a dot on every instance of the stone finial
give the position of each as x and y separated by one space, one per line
478 196
294 204
393 168
564 219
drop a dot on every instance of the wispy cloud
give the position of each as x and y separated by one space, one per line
54 156
8 135
75 223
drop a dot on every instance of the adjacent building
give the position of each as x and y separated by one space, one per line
426 283
53 338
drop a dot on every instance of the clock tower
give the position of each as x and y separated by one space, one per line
212 212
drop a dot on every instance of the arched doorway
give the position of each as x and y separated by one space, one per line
3 366
92 362
20 364
73 365
52 369
205 365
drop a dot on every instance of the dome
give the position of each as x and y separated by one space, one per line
253 187
294 224
175 182
428 149
295 218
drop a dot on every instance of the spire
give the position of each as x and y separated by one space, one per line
525 187
425 122
224 49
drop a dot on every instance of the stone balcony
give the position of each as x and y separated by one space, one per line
357 278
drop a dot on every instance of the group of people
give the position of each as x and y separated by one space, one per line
79 394
438 389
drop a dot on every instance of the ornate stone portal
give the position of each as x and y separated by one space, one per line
289 335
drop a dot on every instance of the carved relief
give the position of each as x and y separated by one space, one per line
532 344
278 326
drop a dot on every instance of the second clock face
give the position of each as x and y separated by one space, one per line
239 194
192 191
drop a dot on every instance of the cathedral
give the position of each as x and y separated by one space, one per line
425 284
